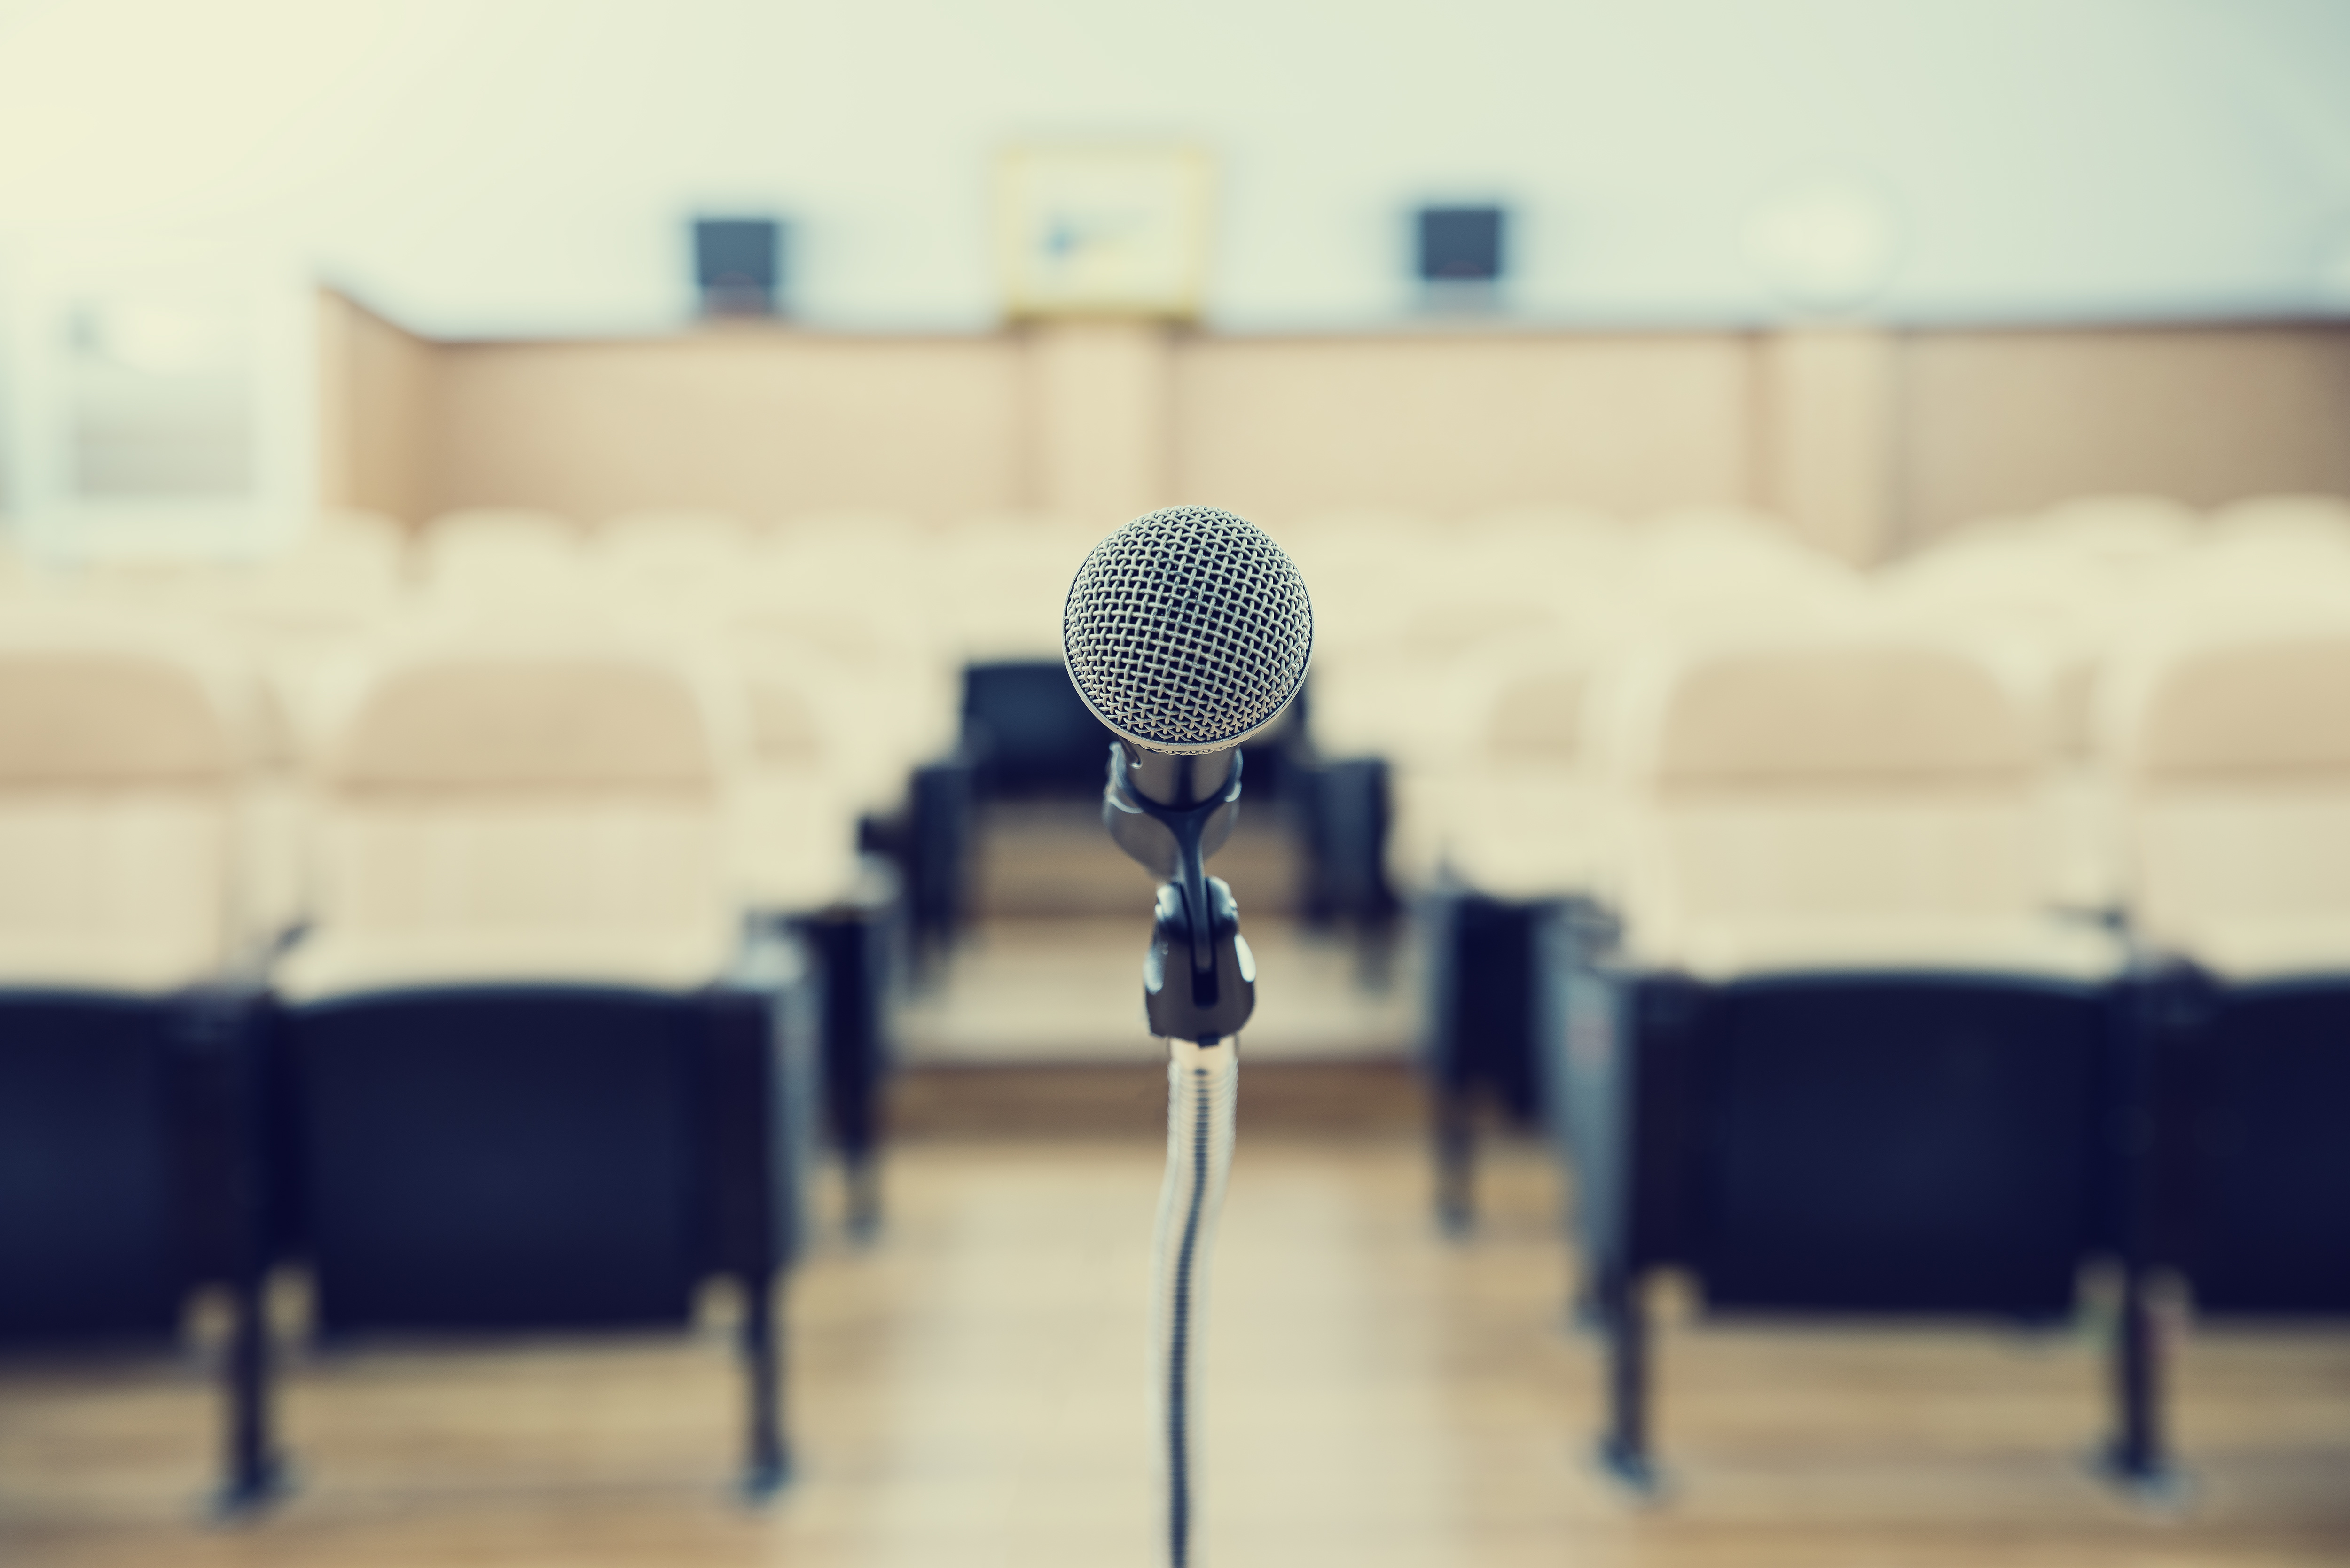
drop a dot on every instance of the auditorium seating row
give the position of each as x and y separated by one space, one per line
1507 751
1724 850
515 1060
1822 1024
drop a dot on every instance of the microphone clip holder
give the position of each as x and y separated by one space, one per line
1211 995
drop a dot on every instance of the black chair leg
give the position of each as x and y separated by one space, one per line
1624 1446
768 1464
855 1070
255 1475
2136 1457
1456 1158
863 1174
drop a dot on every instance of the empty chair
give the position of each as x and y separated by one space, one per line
1503 796
536 1078
2243 574
1408 626
1994 530
795 808
2234 749
1843 1061
2314 519
2118 528
1329 542
1516 815
994 586
1494 841
798 849
686 567
293 618
132 1028
356 541
854 595
2069 612
1706 568
351 568
489 560
1537 532
693 536
844 709
853 695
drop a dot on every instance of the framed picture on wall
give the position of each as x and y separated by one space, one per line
160 408
1104 230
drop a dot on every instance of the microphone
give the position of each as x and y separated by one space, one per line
1186 632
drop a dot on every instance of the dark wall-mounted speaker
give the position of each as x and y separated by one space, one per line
1461 244
738 265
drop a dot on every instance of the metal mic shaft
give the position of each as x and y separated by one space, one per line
1173 779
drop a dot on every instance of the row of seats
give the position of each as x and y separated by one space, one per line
1499 697
1519 762
1481 663
524 1063
458 805
458 796
1825 1034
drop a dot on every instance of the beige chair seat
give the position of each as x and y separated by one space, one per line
2038 948
2252 950
338 965
114 889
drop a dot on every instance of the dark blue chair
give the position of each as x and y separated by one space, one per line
132 1082
1842 1063
483 1160
539 1070
2233 746
1876 1145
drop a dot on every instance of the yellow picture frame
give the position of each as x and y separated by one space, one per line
1104 231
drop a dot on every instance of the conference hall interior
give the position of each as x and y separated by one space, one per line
623 626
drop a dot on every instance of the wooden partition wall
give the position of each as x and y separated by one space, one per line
1868 441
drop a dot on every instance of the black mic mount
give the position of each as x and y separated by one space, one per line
1198 979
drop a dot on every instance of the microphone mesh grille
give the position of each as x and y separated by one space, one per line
1187 628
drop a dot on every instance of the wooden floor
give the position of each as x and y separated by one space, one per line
968 1392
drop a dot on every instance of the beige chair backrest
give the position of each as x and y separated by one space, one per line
2323 519
121 761
1715 568
484 557
2246 572
995 588
2119 527
662 536
683 570
531 810
1512 809
802 788
2234 750
1863 800
356 543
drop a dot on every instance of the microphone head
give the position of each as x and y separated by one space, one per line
1188 631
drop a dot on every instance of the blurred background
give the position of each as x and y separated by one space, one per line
551 882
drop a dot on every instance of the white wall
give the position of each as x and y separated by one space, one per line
526 166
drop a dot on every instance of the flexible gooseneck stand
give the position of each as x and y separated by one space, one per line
1199 982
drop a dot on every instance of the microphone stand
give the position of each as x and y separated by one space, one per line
1199 986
